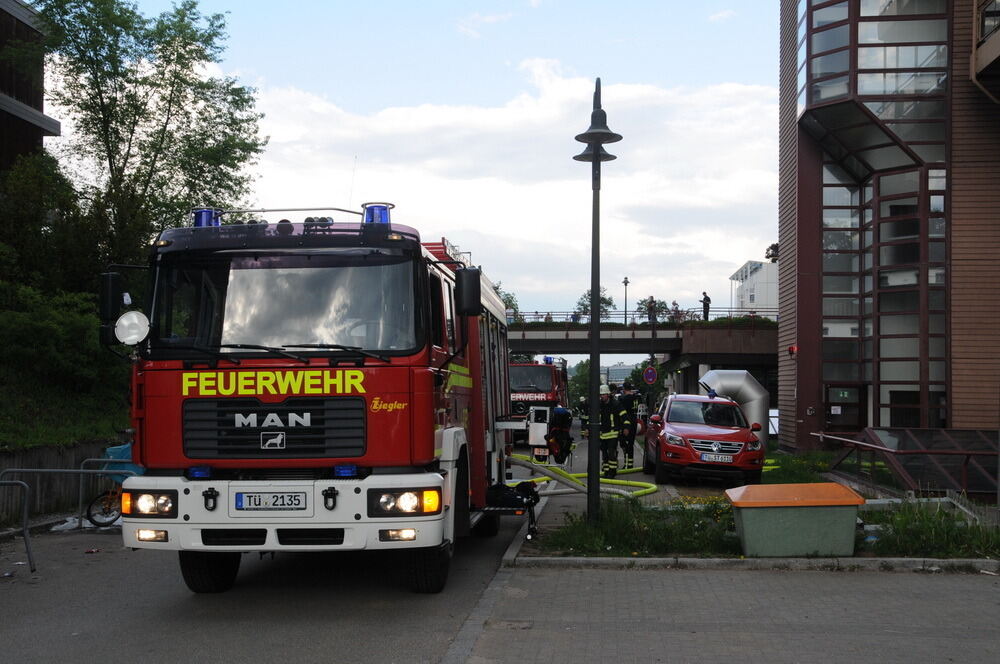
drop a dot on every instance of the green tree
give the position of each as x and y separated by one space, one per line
509 301
45 240
660 308
579 382
606 304
771 253
153 134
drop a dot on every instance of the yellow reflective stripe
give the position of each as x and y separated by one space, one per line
458 377
438 451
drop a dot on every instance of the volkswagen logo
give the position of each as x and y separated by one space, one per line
716 447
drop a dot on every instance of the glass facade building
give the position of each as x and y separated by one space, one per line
874 95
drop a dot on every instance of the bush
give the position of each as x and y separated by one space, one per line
57 384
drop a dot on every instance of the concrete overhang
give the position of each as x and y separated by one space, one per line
49 126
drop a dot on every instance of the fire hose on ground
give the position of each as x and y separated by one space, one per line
554 473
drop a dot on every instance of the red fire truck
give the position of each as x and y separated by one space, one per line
311 386
536 384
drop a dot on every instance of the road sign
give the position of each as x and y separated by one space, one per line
649 375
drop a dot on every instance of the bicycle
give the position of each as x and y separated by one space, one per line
106 508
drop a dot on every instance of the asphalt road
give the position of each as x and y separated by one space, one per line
92 600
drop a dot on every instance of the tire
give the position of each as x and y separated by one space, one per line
752 476
662 472
461 510
206 572
105 509
648 463
488 526
429 569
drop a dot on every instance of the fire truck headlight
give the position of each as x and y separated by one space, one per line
161 504
404 502
131 327
408 502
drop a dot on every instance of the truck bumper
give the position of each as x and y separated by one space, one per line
318 527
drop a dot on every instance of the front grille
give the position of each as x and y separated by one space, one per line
302 536
248 428
233 536
725 447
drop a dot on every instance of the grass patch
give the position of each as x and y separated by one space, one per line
698 527
805 468
929 530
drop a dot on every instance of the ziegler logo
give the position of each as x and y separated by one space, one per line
379 406
273 420
272 440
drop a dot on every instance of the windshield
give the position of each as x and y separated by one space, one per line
358 297
714 414
536 378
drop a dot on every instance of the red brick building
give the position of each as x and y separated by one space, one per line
889 216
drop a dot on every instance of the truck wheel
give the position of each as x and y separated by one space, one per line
488 526
429 568
648 464
206 572
662 473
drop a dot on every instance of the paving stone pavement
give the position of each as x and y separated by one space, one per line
583 612
675 615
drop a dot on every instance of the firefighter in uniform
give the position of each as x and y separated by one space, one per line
584 417
609 433
627 403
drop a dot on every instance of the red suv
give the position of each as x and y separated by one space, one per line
692 434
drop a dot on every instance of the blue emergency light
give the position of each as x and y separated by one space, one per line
548 359
345 470
199 472
204 217
377 213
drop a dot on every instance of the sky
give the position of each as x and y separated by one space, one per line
463 115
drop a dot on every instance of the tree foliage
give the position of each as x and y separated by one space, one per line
606 303
771 253
152 133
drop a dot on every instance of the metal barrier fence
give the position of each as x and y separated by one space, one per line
25 490
48 471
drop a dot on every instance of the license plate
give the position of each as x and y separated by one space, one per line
270 500
540 451
718 458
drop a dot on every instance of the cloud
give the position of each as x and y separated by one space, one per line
469 26
724 15
691 197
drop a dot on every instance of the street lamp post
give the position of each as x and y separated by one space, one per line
625 283
595 137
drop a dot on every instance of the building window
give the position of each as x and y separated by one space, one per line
989 19
902 7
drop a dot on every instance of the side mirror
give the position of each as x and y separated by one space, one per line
655 419
755 426
468 292
109 306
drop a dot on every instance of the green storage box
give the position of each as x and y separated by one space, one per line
795 520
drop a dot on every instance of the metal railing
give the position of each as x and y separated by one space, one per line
25 492
858 445
638 317
47 471
79 524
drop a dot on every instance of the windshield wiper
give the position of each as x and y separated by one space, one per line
531 385
272 349
349 349
201 349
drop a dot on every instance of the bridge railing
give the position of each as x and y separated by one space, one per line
717 316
